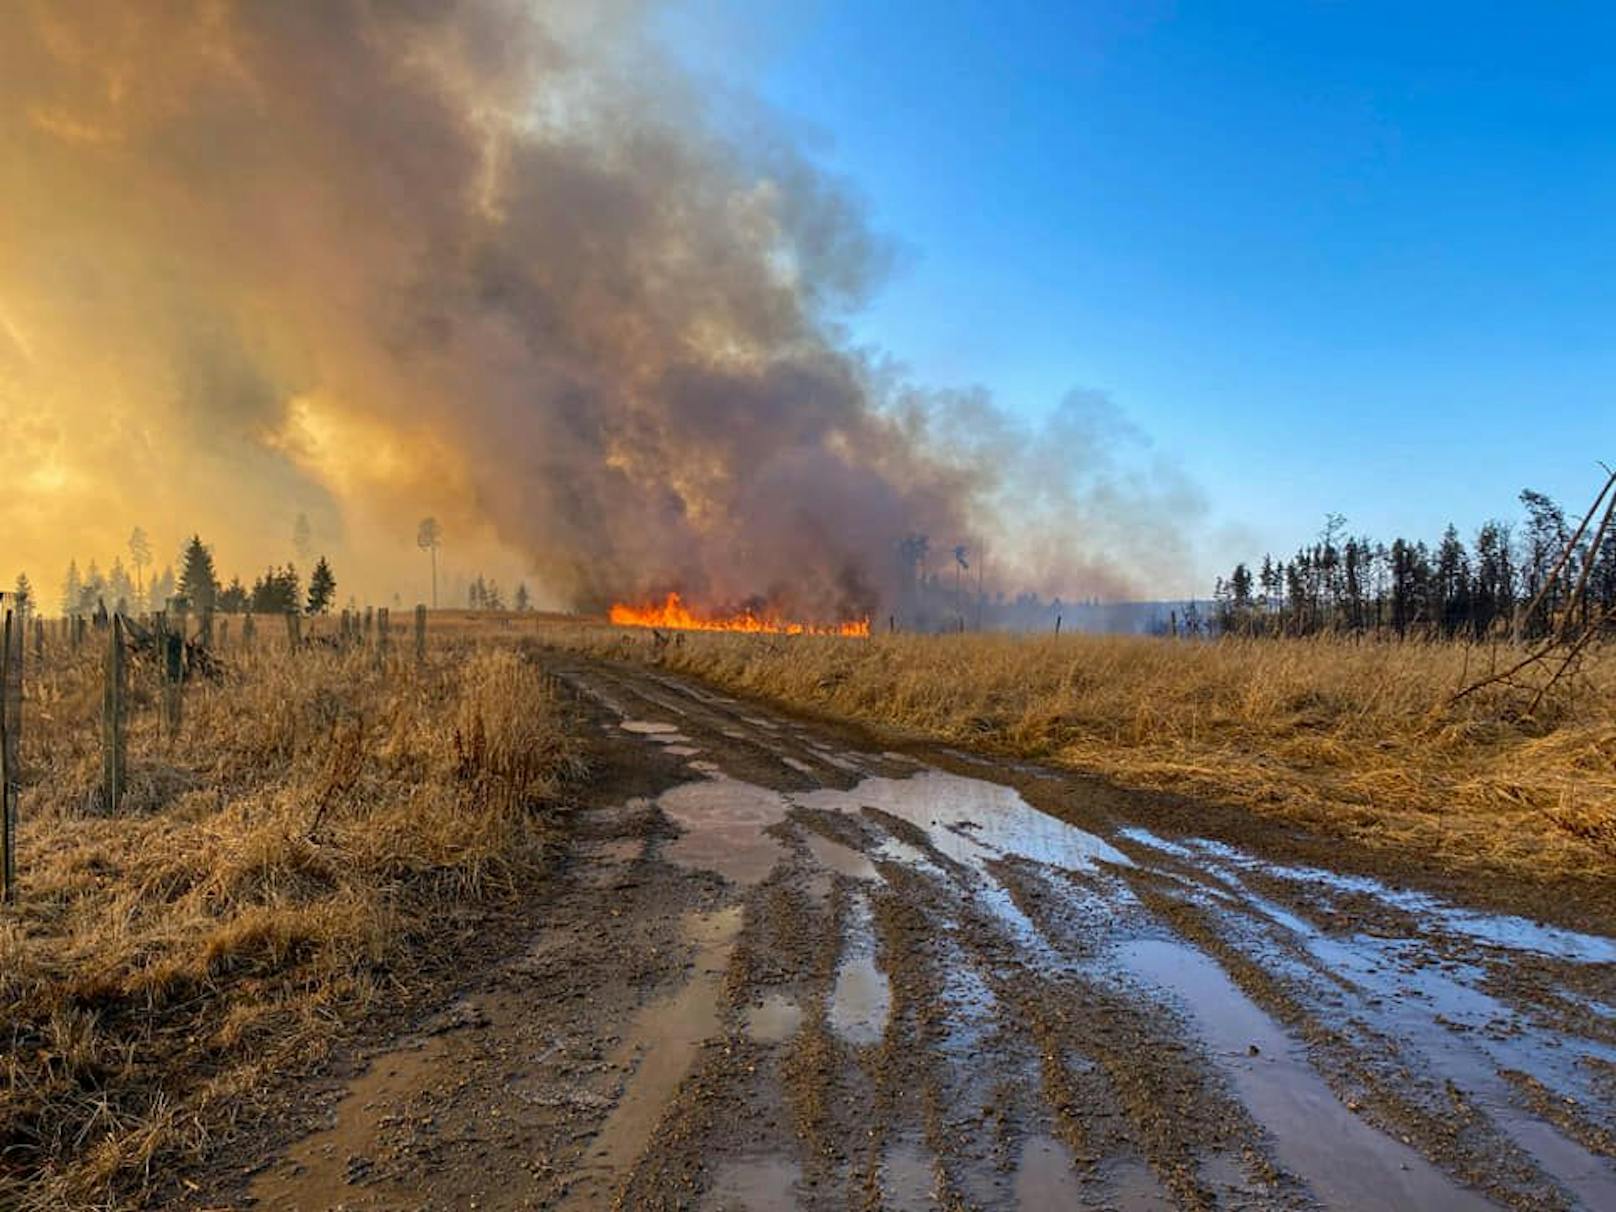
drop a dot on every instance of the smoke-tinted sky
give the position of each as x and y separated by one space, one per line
1333 256
506 264
1119 291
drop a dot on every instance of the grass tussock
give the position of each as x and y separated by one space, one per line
1352 739
275 869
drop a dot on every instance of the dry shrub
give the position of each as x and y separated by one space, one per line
275 868
1353 738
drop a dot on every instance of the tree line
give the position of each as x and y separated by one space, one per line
277 590
125 586
1453 589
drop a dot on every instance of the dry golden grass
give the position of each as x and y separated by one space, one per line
1355 739
275 870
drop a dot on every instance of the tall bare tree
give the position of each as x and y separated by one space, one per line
429 537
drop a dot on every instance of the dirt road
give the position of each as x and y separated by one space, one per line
785 970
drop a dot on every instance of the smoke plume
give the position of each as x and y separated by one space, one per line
495 261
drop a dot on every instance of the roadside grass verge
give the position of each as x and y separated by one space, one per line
1356 740
275 872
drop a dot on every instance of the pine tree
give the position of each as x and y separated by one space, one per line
198 583
139 556
72 587
120 589
24 592
521 599
322 588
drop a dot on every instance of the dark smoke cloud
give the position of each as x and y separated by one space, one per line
497 261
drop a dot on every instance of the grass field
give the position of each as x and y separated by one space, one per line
1354 739
317 828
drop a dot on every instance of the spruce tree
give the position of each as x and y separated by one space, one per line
322 588
198 583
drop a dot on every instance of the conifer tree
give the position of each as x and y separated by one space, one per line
322 588
198 583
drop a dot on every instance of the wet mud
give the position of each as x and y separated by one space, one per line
799 971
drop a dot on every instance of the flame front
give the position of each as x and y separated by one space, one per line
673 613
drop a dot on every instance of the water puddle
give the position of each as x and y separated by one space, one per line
862 998
1345 1161
1496 930
1047 1176
647 727
799 767
774 1019
839 858
723 821
971 821
682 750
766 1184
907 1181
320 1171
660 1047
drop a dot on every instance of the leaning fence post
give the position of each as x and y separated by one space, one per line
10 748
420 634
112 770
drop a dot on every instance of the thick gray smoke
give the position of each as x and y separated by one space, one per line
493 260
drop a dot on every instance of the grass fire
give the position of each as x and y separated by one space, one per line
672 613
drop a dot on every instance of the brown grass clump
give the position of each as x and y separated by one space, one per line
1352 739
275 870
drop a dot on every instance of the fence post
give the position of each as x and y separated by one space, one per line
39 639
370 619
224 633
204 633
77 624
420 634
112 769
173 677
10 748
294 630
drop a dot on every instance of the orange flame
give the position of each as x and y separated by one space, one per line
673 613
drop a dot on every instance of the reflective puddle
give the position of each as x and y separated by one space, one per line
1346 1162
862 997
774 1019
766 1184
839 858
660 1048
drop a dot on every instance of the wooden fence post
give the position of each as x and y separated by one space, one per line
224 633
420 634
248 630
10 748
112 767
39 639
204 633
173 679
294 630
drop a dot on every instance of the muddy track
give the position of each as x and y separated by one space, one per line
796 973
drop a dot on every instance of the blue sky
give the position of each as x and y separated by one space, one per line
1331 256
